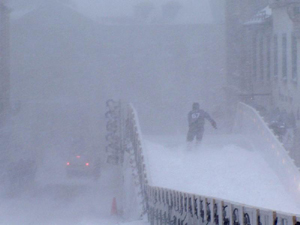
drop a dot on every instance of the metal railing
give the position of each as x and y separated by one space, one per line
166 206
113 129
133 145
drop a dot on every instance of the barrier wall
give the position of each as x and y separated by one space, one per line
166 206
250 124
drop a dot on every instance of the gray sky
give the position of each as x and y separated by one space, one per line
192 11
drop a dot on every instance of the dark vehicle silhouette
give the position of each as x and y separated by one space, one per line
82 166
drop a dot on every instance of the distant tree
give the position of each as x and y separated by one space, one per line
143 10
171 9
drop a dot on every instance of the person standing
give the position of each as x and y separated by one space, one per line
196 121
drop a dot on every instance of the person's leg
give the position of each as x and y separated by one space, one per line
199 136
190 136
189 139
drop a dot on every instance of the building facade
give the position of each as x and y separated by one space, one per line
266 60
285 82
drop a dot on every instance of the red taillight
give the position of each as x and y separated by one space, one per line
87 164
78 157
68 164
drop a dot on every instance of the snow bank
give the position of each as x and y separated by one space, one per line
250 124
138 222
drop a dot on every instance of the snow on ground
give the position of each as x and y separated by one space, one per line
60 201
136 223
224 166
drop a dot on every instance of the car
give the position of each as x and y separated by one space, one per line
82 166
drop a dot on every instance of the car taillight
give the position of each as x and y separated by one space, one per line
68 164
87 164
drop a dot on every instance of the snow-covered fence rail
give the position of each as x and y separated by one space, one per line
133 146
165 206
113 129
250 124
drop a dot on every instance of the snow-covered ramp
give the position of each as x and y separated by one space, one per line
224 167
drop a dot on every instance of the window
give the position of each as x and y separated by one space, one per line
284 57
275 46
294 59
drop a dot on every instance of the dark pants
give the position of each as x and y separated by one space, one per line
192 133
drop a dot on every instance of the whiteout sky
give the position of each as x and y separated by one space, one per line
194 11
71 58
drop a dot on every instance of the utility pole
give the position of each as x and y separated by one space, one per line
4 63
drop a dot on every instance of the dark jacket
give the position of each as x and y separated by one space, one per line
196 119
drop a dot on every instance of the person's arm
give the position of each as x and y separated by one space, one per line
212 122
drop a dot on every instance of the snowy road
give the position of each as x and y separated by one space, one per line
58 201
225 167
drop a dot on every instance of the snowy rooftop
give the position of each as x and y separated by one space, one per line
260 17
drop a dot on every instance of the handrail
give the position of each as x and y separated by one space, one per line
166 206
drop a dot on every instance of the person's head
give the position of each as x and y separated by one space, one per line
196 105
